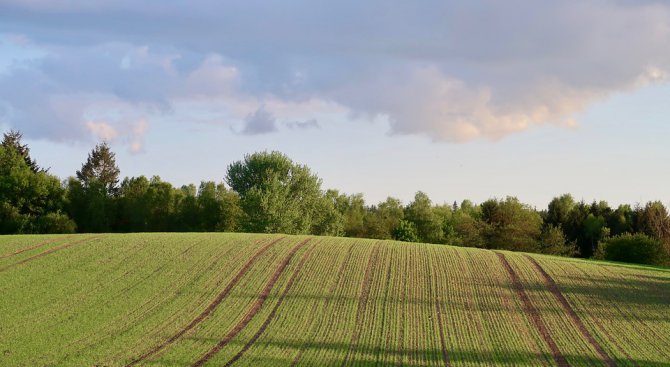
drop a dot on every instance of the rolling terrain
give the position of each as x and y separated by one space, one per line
255 300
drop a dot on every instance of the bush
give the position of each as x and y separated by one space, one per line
553 242
406 232
634 248
54 223
11 221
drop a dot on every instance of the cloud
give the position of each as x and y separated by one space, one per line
302 125
259 122
449 70
131 133
102 130
137 136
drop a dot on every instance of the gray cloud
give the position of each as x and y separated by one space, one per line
259 122
302 125
451 70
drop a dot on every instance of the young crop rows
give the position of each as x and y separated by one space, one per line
265 300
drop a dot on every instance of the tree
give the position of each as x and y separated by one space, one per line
188 213
133 209
553 242
421 213
574 228
622 220
100 169
509 224
406 232
277 195
654 221
382 219
594 230
558 212
92 194
30 201
12 140
328 220
219 208
355 214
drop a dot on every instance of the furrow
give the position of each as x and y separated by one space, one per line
210 308
47 252
553 289
272 314
532 312
253 310
37 245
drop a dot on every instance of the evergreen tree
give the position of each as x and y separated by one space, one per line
12 140
100 168
92 194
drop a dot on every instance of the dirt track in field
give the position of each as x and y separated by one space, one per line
254 309
47 252
532 313
32 247
362 303
553 288
445 355
272 314
210 308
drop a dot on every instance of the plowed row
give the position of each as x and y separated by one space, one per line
258 300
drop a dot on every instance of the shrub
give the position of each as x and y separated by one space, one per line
54 223
406 232
634 248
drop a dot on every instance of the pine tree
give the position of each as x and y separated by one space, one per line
12 140
101 169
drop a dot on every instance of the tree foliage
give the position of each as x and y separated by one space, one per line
276 194
12 140
268 192
31 201
100 170
635 248
406 231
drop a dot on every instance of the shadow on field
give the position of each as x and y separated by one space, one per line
332 354
626 293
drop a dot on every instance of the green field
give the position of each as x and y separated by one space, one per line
258 300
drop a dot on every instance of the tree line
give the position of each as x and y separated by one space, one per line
267 192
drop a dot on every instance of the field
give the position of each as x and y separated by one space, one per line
258 300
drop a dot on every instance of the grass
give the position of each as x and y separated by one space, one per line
250 300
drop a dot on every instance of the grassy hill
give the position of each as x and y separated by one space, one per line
258 300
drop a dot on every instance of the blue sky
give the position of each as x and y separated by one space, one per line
461 100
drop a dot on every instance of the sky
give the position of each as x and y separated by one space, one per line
462 100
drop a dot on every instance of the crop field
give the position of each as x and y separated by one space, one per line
265 300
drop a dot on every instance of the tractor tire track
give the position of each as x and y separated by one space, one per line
210 308
532 312
553 288
443 345
47 252
32 247
362 303
272 314
254 309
